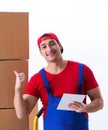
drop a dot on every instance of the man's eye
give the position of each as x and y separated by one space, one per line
43 47
52 43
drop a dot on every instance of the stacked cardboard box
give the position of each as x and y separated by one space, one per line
14 55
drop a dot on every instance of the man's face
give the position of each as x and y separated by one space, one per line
50 50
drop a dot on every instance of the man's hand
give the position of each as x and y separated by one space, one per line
20 77
78 107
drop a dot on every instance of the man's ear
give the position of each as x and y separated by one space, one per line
61 47
40 51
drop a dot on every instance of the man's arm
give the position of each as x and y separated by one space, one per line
96 100
23 103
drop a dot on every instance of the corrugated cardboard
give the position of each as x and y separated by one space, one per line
9 121
7 80
14 35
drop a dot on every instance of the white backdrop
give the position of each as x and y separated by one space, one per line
82 27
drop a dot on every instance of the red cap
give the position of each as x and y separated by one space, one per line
46 36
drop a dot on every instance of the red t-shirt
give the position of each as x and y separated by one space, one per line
64 82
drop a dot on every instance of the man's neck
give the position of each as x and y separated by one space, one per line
56 67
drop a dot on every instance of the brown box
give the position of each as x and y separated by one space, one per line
7 80
9 121
14 35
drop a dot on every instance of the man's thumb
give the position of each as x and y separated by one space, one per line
15 72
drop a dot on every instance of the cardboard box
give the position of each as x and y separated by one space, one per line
14 35
9 121
7 80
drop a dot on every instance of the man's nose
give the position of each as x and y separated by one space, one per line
49 47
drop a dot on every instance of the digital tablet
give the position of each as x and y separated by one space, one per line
69 98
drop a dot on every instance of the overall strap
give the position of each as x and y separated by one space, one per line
46 83
80 78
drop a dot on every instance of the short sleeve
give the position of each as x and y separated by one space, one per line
90 81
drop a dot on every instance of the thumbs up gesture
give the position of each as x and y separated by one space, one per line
20 77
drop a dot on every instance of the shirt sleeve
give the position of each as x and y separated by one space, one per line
32 87
90 81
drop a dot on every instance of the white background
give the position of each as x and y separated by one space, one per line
82 28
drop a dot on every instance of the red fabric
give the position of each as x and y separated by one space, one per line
47 36
64 82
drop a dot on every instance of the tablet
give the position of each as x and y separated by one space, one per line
69 98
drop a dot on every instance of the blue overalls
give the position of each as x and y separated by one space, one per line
61 119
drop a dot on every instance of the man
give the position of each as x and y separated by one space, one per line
58 77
